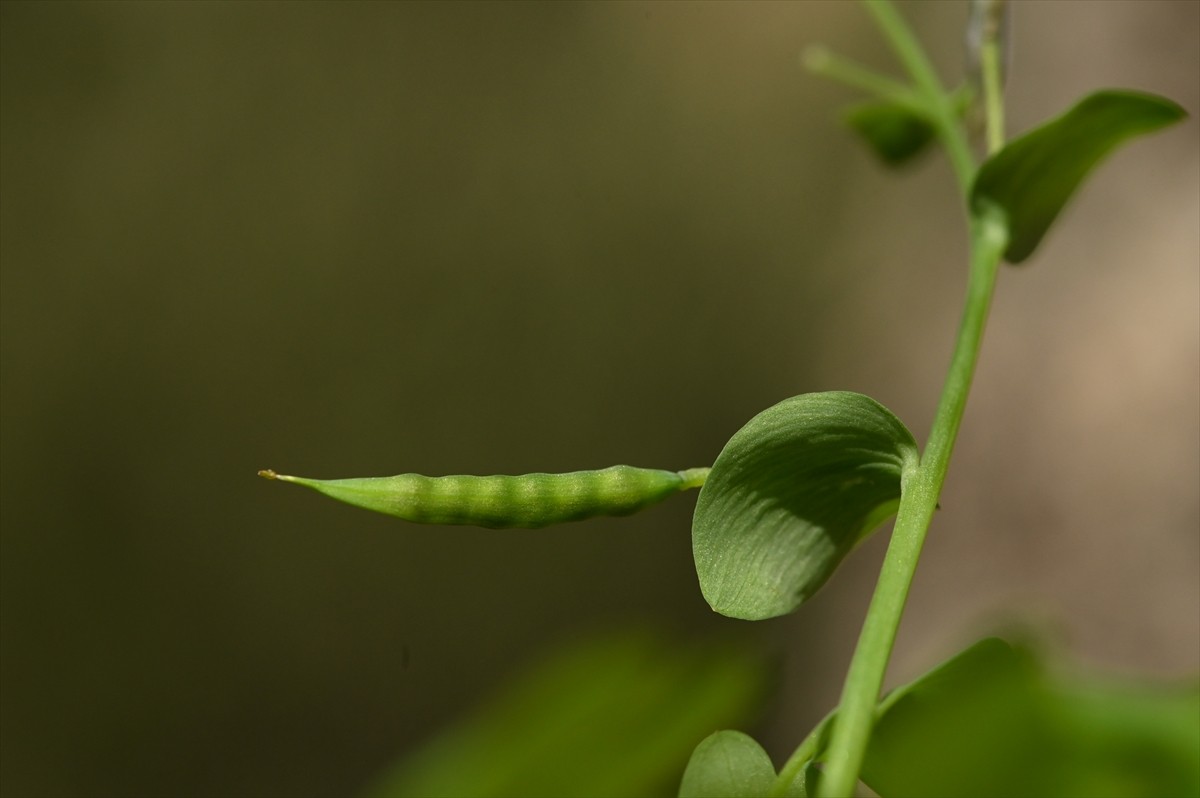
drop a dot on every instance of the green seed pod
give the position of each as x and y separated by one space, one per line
529 501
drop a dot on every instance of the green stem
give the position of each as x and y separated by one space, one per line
921 485
694 477
925 79
993 79
823 62
801 757
856 712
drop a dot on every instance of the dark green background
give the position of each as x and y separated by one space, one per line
359 239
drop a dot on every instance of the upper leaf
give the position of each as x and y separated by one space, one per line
790 495
894 131
1032 177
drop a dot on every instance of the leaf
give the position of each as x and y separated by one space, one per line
730 763
790 495
893 131
967 728
994 722
614 715
1032 177
727 764
1125 740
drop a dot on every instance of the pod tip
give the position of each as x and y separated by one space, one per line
268 473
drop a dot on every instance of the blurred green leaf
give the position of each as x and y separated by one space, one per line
1034 176
790 495
610 716
1127 740
727 764
993 722
893 131
968 728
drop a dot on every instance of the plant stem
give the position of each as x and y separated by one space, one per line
821 61
856 713
925 80
694 477
920 486
801 757
993 77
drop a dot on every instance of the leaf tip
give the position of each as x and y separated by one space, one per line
742 607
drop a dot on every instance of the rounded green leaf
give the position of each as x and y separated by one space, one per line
728 764
790 495
893 131
1032 177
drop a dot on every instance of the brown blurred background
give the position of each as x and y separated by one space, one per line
351 240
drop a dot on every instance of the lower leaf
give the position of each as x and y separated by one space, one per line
727 764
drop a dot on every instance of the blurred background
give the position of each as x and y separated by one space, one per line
364 239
